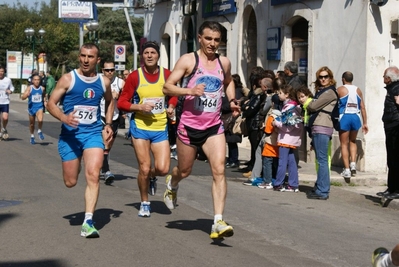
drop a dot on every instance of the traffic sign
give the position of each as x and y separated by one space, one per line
120 53
120 67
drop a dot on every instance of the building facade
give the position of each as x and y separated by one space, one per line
360 36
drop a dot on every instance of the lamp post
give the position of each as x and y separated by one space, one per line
93 26
33 40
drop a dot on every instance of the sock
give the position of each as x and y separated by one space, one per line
218 217
353 165
105 167
32 135
170 187
347 170
88 216
145 202
39 131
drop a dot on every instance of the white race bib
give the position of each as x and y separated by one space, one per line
36 98
159 103
3 94
207 102
86 114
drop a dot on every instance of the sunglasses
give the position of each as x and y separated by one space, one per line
324 77
109 70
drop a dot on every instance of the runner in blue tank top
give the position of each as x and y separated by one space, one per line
82 132
34 93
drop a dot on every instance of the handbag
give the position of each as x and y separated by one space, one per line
228 121
240 126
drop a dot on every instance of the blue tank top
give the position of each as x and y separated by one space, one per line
35 98
84 95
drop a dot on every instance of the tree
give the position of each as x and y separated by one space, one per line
113 29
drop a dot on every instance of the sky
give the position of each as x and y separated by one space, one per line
29 2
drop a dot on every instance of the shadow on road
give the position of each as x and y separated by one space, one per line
37 263
101 217
156 207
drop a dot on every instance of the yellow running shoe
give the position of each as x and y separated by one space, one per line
221 229
170 195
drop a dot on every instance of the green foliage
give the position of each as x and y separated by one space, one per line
61 41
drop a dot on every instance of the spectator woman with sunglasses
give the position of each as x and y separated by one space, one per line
322 128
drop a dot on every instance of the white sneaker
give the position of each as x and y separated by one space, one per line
346 173
380 258
145 209
353 168
265 185
170 196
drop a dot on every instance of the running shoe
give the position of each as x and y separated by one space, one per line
247 174
41 136
152 189
88 230
145 209
346 173
248 182
378 257
4 134
278 188
108 178
265 185
353 168
32 140
170 195
221 229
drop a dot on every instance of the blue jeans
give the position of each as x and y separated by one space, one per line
320 144
233 153
270 165
287 160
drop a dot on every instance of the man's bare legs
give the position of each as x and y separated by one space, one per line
161 155
215 150
92 158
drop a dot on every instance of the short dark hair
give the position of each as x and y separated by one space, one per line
90 46
348 76
291 66
213 25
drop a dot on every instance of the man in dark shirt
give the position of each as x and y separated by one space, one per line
390 118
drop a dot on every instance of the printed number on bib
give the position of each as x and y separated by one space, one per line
207 103
37 98
159 105
86 114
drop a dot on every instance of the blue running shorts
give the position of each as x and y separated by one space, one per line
350 122
71 147
152 136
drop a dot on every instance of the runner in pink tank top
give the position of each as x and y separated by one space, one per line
205 76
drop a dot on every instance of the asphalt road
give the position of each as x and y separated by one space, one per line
40 218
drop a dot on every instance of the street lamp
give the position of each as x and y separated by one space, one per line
30 36
92 26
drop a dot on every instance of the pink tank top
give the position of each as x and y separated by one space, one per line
203 112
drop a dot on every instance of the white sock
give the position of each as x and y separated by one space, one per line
39 131
218 217
88 216
32 135
353 164
145 202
